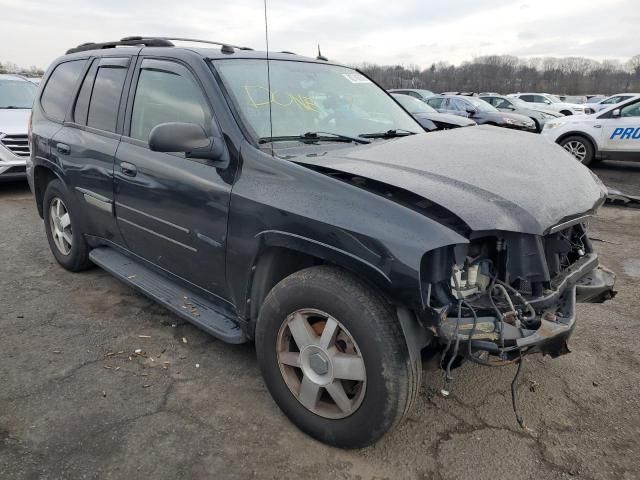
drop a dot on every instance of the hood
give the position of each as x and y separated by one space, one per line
514 116
575 119
14 121
546 111
491 178
446 118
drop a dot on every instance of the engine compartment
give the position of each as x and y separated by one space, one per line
501 291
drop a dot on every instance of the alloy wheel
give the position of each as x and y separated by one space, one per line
60 223
321 363
577 149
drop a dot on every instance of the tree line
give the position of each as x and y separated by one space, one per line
10 67
510 74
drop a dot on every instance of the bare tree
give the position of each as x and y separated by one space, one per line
506 73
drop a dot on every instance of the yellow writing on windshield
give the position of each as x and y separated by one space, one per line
259 97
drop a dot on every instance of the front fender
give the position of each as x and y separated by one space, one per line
277 203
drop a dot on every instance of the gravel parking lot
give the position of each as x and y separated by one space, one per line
76 401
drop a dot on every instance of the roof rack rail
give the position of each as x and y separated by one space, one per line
125 42
210 42
150 42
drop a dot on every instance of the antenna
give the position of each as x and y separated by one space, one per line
266 37
320 56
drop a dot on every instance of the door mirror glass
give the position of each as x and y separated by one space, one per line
187 138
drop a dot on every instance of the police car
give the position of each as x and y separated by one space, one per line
611 134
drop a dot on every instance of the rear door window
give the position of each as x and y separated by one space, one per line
526 98
59 89
105 96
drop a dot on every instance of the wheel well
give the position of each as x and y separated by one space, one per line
41 178
274 265
536 122
566 112
277 263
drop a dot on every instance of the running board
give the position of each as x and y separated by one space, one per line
181 301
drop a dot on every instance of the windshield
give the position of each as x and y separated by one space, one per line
309 97
481 105
17 94
413 105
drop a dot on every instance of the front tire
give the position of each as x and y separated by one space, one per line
334 357
66 240
580 147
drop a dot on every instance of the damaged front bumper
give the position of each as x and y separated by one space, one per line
507 338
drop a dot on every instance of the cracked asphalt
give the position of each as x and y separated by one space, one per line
77 401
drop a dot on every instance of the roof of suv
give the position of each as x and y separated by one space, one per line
132 45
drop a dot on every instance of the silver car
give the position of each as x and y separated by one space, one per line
609 102
16 97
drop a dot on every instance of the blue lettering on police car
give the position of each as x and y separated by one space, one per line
626 133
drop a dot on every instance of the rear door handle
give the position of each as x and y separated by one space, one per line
63 148
128 169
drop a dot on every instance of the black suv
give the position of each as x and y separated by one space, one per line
291 201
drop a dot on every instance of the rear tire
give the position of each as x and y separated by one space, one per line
381 387
580 147
66 240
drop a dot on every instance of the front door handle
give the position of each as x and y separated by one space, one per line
63 148
128 169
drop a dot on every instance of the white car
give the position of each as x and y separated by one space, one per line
609 102
550 102
612 134
16 98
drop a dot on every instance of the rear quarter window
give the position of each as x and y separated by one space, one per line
59 89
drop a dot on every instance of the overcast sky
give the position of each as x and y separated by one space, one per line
34 32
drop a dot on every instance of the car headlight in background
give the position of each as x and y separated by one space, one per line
552 124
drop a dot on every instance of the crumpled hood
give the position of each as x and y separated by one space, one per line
14 121
492 178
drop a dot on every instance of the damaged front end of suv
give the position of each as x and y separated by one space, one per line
523 259
505 294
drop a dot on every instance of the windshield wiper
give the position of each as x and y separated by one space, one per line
314 137
397 132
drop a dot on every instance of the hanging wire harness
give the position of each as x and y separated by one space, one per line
496 309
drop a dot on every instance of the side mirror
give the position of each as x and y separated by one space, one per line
187 138
615 113
472 111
